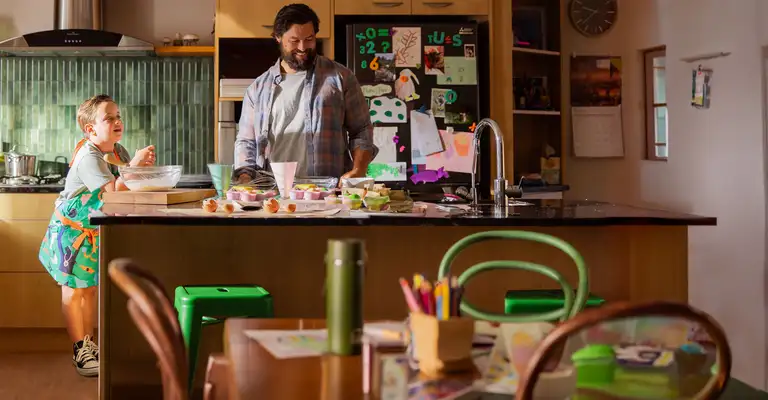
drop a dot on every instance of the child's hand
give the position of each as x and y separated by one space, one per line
144 157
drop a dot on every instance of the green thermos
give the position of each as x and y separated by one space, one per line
345 263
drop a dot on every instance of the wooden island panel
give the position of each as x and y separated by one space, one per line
625 262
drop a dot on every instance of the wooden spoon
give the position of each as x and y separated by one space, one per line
110 158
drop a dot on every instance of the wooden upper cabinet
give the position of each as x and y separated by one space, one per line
254 18
373 7
450 7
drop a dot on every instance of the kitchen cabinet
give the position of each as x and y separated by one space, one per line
35 296
372 7
254 19
450 7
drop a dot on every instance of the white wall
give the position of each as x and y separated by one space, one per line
716 164
150 20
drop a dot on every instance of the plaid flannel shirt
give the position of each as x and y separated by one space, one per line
337 120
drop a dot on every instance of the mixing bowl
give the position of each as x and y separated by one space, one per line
151 179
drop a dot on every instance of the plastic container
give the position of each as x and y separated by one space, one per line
595 364
320 181
151 179
332 200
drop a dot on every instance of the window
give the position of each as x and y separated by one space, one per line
656 121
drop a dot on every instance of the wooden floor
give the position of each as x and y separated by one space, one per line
46 375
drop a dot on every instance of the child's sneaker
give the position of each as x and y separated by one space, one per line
84 360
88 342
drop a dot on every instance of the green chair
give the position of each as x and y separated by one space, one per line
570 305
206 305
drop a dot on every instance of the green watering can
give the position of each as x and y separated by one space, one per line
573 304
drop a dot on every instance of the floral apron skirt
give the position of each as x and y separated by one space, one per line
70 248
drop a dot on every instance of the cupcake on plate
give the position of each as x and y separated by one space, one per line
297 194
352 201
312 194
233 195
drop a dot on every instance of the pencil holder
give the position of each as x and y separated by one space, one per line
441 346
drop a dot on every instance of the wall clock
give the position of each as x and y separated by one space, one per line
593 17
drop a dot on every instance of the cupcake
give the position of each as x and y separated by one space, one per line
325 193
312 194
233 195
595 364
352 201
297 194
248 196
270 194
259 195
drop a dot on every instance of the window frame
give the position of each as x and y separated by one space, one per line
650 105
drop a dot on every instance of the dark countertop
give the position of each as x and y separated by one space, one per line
539 213
54 188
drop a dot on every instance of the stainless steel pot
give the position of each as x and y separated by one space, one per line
18 164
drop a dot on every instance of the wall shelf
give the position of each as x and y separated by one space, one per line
185 51
536 51
230 99
536 112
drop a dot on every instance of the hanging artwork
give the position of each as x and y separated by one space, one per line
434 60
406 44
388 110
386 68
405 87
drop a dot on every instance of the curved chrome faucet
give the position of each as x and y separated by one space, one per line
500 183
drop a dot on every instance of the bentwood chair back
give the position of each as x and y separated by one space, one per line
155 317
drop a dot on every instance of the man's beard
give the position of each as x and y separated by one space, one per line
299 64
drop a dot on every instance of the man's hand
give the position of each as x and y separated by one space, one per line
144 157
354 173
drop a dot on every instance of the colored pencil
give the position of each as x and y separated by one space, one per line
446 289
409 297
427 298
417 281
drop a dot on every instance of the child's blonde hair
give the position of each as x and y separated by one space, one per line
86 114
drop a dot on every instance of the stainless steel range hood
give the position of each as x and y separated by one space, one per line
77 32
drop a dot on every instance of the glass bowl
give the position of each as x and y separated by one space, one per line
151 179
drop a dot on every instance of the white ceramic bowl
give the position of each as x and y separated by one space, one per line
151 179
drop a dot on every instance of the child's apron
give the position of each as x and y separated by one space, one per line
70 248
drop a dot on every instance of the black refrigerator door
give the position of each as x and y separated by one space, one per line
417 68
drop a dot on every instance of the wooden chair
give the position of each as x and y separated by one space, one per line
217 371
551 348
156 318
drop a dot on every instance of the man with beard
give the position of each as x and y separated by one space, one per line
306 108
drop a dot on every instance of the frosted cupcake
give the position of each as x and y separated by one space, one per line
248 196
332 200
233 195
312 194
297 194
352 201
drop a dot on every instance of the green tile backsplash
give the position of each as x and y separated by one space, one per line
167 102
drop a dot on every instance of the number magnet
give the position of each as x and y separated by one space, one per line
451 96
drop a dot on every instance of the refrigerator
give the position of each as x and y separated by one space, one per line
421 83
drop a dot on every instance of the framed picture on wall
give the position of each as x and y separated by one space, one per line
529 27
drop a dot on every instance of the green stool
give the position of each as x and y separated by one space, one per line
522 302
206 305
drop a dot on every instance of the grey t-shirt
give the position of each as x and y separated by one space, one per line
286 138
89 171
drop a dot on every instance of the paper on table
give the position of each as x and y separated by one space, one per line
458 155
459 71
382 138
284 173
597 132
291 344
424 134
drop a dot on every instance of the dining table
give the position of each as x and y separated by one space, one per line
254 373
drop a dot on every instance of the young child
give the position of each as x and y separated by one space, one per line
70 247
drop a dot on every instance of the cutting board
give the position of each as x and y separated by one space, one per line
174 196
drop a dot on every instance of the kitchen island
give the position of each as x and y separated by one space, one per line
632 254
